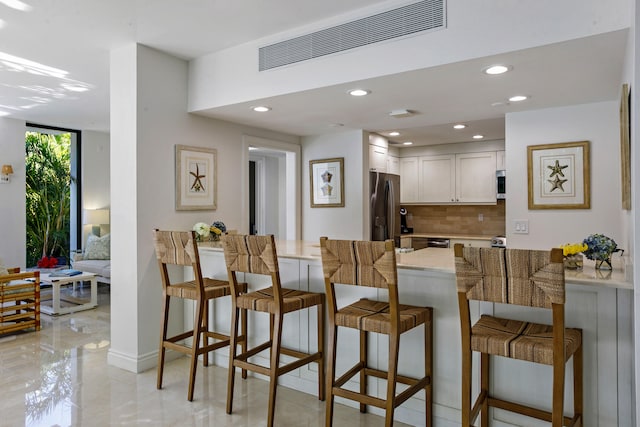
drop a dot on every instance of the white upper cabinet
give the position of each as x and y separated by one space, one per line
501 164
449 178
476 177
393 165
377 158
437 179
409 180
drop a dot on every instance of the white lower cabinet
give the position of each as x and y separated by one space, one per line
474 243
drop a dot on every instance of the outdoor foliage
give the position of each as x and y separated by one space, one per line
47 195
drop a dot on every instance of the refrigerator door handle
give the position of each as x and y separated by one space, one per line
391 218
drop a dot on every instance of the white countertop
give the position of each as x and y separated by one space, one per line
442 260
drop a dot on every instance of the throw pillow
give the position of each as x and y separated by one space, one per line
98 247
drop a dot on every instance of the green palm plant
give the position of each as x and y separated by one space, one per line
48 194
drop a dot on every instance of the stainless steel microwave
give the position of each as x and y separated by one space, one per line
501 179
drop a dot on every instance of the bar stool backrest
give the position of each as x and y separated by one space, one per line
532 278
250 254
176 247
359 263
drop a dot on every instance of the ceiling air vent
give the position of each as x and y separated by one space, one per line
402 21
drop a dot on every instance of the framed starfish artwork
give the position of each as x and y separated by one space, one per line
327 183
196 184
559 176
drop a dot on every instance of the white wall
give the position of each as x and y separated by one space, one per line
13 244
339 222
96 179
598 123
148 117
473 30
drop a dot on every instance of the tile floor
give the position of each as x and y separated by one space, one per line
59 376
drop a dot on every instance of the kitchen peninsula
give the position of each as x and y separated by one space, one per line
599 302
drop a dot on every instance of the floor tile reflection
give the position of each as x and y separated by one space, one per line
60 377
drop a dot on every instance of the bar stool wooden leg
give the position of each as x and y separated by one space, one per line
205 327
392 372
321 350
197 327
163 338
485 361
466 385
331 372
364 345
245 341
428 369
577 384
233 342
558 389
275 363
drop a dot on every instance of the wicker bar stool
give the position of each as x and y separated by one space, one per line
527 278
257 255
180 248
373 264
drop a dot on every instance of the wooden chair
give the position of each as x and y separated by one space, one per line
257 255
528 278
373 264
180 248
19 301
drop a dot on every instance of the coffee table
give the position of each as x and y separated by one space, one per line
73 304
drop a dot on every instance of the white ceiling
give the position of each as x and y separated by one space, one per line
50 49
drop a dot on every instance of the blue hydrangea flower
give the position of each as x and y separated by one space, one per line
600 247
219 225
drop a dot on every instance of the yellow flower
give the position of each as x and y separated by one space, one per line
573 248
216 230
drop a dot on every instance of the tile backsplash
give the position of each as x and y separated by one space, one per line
458 219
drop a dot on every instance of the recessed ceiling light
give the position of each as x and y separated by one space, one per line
478 136
459 126
394 133
518 98
261 108
496 69
336 125
407 143
499 104
359 92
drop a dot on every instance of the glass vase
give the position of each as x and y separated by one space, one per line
573 262
604 264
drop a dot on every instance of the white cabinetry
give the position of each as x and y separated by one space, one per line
501 164
449 178
393 165
476 177
474 243
437 179
409 180
377 158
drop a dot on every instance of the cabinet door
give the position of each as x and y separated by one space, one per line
500 161
377 158
393 165
409 180
476 177
437 179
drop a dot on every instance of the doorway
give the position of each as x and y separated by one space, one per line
273 190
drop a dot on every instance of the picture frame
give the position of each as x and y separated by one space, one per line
326 177
196 183
559 176
625 148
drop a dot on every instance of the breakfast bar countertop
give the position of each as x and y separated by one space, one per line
441 260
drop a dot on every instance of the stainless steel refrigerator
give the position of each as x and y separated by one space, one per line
384 206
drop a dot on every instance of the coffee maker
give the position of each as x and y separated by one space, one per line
404 222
